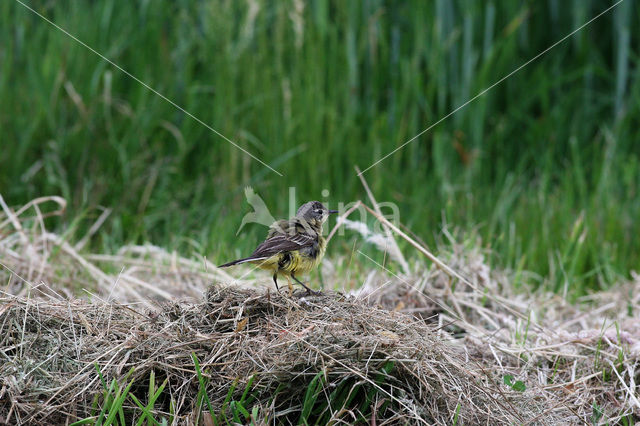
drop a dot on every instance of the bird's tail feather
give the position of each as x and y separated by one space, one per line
239 261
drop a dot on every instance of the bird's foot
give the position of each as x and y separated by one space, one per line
309 292
306 293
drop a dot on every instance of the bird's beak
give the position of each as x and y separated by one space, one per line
333 211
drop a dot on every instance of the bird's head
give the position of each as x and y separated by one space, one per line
314 211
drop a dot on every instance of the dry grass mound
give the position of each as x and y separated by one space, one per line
389 367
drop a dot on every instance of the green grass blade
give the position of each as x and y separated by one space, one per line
202 389
310 397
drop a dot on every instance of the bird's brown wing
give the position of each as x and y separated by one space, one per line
282 242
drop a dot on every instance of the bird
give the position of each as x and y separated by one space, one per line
294 246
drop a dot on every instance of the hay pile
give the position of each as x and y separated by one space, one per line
415 347
50 348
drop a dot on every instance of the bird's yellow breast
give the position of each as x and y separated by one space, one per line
315 261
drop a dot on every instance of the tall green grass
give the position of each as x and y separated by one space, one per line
545 167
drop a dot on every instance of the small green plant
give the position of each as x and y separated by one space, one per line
521 336
311 396
113 397
596 357
517 385
627 421
147 410
238 410
455 417
620 359
202 392
352 395
596 413
107 407
556 365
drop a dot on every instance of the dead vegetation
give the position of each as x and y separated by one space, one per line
415 347
51 347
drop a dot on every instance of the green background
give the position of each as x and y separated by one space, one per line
544 169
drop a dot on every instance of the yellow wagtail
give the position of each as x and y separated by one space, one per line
292 246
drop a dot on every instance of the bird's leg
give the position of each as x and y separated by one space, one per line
275 280
290 286
309 291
